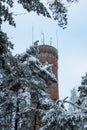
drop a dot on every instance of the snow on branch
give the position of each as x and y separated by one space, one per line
65 101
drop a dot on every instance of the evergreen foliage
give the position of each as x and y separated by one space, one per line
60 118
23 83
57 7
73 99
82 100
24 80
5 15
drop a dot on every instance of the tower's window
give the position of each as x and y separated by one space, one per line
42 54
46 54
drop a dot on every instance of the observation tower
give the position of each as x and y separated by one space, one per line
50 54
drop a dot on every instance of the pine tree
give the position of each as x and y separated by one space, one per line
73 99
58 118
23 89
38 77
58 8
82 100
5 71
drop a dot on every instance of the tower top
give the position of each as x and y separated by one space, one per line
48 49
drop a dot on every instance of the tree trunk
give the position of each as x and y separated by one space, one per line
16 120
35 120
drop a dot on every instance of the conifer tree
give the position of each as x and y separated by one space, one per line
23 89
20 76
73 99
38 77
58 8
82 101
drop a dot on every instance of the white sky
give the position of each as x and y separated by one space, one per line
72 42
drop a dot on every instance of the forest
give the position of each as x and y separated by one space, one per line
24 102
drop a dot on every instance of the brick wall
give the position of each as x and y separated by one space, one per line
50 54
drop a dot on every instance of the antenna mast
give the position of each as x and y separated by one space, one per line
32 34
57 38
43 41
50 41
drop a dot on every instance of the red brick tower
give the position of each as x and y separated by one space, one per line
50 54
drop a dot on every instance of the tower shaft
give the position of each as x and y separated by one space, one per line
50 54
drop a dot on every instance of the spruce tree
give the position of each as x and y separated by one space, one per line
82 101
73 99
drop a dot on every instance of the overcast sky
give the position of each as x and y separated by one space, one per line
72 42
